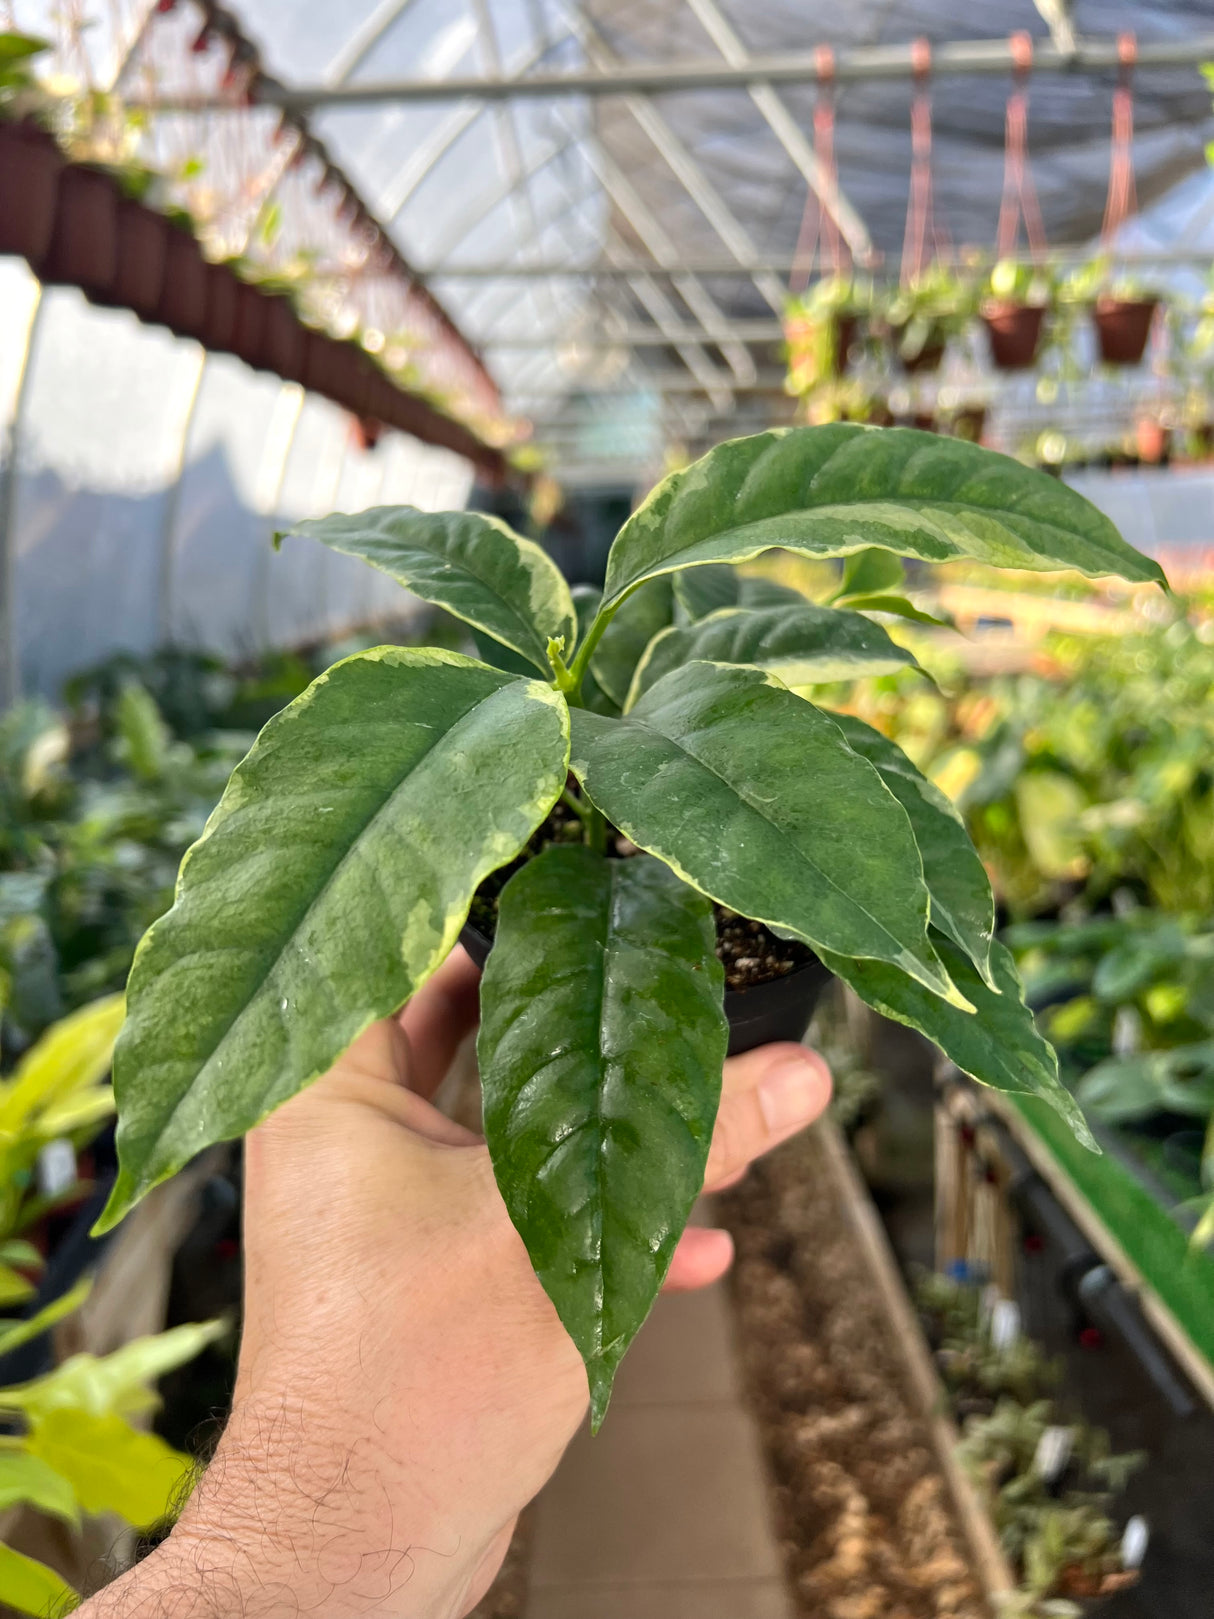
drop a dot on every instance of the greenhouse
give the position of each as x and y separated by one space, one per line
607 809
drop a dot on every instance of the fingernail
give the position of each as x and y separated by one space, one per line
790 1095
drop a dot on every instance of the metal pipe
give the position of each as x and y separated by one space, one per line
641 336
172 508
864 63
10 662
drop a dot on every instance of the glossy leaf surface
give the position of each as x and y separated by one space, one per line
898 607
601 1043
475 566
331 880
830 491
869 573
803 645
998 1044
700 591
962 904
753 796
623 644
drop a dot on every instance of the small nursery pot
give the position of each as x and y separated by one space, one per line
1123 328
83 249
30 166
183 298
143 239
1153 439
970 424
780 1009
1015 333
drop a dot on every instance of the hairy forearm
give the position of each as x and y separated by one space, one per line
277 1526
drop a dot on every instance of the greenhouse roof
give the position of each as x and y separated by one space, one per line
607 196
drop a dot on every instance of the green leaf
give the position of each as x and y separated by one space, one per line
26 1479
474 566
898 607
700 591
330 882
829 491
998 1045
14 1288
32 1587
586 602
962 904
623 644
112 1467
118 1384
803 645
601 1043
752 795
758 592
870 573
15 1333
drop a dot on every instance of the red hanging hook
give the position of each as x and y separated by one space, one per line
1122 199
920 213
1019 198
819 225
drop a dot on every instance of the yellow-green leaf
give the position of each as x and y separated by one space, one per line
32 1587
25 1479
111 1466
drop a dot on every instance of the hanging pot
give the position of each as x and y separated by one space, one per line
83 250
143 238
1123 327
183 298
249 331
30 166
845 329
223 297
283 341
1153 440
970 424
1015 333
780 1009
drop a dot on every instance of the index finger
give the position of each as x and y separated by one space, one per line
438 1017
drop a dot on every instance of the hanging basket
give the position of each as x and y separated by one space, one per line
250 324
1123 328
1014 331
223 300
83 249
183 298
283 341
30 166
970 424
1153 441
142 251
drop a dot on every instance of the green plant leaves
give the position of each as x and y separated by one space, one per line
32 1587
474 566
28 1480
997 1044
601 1043
111 1466
870 573
753 796
804 645
586 600
647 611
331 880
834 490
962 904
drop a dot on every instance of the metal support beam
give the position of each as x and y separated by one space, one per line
864 63
641 336
642 381
10 660
351 56
787 131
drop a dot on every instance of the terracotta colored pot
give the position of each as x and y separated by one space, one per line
1153 440
1123 328
83 250
183 298
223 296
1015 333
283 341
143 238
367 431
248 336
30 165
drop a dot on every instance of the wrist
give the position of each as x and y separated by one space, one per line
291 1519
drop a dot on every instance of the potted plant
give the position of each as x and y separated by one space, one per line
819 329
638 766
83 249
1122 306
183 298
30 166
922 316
1012 310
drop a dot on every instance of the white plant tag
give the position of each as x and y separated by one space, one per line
1053 1453
1005 1323
1134 1542
1127 1032
56 1167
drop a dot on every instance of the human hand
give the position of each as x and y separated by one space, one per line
405 1386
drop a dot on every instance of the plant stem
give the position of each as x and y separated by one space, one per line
581 662
596 830
582 811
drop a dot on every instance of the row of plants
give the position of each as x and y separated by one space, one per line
75 1441
1088 787
1047 1477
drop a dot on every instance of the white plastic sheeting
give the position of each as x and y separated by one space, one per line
149 479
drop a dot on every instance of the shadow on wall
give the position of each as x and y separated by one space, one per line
94 575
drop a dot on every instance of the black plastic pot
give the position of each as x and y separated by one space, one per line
777 1010
30 165
83 250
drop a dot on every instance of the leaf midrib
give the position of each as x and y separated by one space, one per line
302 917
808 860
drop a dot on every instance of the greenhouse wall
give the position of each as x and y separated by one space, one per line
143 480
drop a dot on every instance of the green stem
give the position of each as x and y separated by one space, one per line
585 652
582 811
596 830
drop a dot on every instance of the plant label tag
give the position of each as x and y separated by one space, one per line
56 1167
1127 1032
1134 1542
1053 1452
1005 1323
